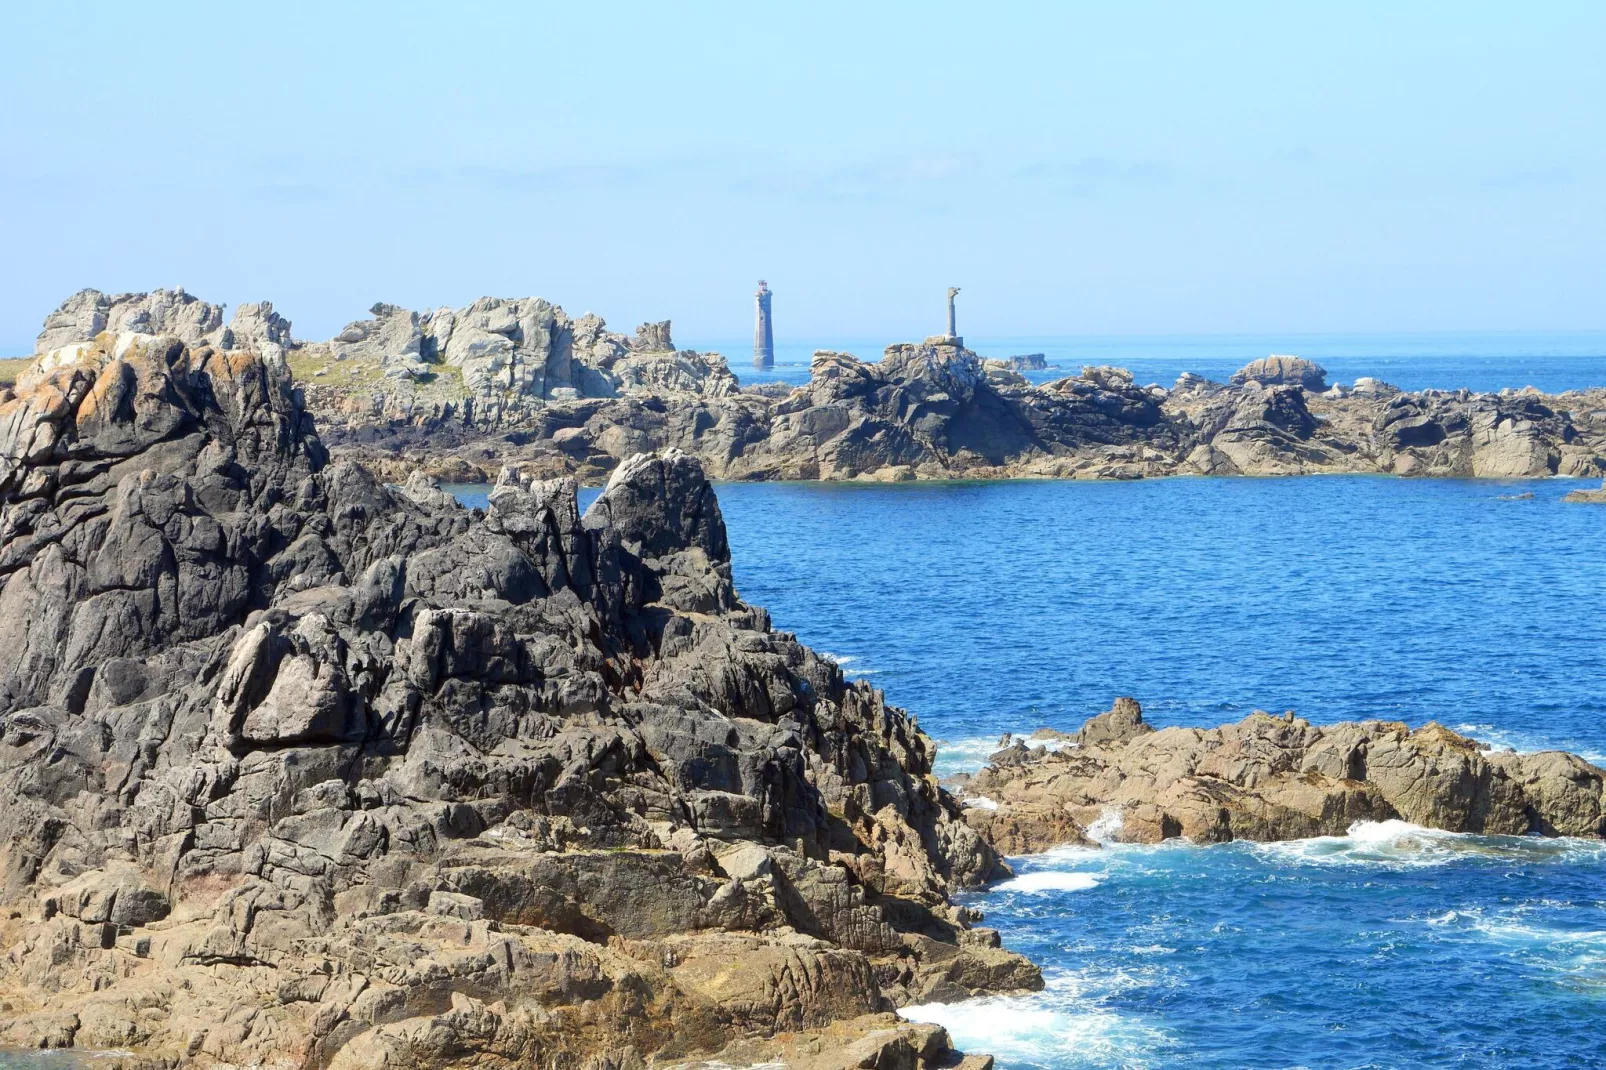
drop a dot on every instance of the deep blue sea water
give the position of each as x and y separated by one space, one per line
998 607
1551 360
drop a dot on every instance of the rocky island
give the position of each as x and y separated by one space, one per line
1270 778
300 769
461 393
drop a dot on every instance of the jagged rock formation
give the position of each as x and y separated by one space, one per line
1275 778
513 355
301 770
462 392
495 362
938 412
173 313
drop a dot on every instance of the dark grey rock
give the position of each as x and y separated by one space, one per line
261 714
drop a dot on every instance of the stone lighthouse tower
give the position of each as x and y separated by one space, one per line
763 330
951 336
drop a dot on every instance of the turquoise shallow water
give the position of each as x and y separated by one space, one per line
998 607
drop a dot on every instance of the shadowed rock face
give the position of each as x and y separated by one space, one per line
300 769
1276 778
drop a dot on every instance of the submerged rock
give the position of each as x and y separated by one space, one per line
1278 778
300 769
1025 362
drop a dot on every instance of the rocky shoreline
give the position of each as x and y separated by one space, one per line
462 393
300 768
1269 778
303 770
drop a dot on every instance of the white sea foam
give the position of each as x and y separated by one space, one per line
1044 881
1015 1030
1400 844
1534 933
968 754
1065 1022
1391 833
1495 738
979 802
1531 926
1106 828
1069 854
848 664
1388 843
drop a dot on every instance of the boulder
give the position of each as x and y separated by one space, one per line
1278 370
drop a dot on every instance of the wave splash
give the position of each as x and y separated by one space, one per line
848 663
1067 1023
1396 843
1494 738
968 754
1050 880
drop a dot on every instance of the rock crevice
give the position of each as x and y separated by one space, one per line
302 769
1274 778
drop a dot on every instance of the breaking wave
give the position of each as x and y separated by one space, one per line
1401 844
1067 1022
1049 881
1495 739
848 663
969 754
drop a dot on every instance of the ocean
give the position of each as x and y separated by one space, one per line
993 607
986 608
1553 361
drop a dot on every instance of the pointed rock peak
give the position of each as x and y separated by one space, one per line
662 503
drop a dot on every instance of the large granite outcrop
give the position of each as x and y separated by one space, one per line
935 411
298 769
513 355
463 392
1278 370
1274 778
171 313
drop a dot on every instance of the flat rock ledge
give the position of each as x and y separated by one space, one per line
1271 778
303 770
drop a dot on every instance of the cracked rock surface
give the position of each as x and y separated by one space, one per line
300 769
1274 778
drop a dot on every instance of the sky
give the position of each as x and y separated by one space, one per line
1134 168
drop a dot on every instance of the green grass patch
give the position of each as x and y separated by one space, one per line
11 367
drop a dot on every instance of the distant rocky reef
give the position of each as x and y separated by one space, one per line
301 770
460 393
1269 778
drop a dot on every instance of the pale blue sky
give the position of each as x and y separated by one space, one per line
1078 168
